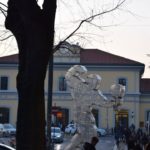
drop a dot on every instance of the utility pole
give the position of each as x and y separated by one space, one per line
49 102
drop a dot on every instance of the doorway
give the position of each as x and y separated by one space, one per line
4 115
121 119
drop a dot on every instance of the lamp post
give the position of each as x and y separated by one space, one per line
107 118
117 91
50 145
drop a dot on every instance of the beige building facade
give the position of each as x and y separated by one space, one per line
112 68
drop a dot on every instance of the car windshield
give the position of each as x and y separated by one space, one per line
55 130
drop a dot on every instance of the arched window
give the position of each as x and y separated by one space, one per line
62 84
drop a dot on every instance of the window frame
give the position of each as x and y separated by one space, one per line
122 78
3 83
62 85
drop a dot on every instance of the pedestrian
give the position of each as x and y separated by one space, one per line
137 146
122 145
131 143
144 140
116 146
147 146
91 146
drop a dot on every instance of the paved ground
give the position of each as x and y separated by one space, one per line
105 143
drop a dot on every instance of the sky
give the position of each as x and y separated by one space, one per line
125 32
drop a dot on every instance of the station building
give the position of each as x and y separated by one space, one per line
112 69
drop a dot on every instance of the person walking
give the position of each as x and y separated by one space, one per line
116 146
147 146
91 146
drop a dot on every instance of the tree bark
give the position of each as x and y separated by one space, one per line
33 29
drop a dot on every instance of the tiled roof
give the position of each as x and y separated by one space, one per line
87 56
145 85
95 56
11 59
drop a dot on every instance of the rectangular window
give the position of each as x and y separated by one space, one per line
62 84
3 83
148 116
122 81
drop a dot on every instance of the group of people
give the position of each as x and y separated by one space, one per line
133 139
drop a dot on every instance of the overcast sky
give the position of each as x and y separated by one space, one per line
128 35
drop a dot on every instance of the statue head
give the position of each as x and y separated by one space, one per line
75 75
76 72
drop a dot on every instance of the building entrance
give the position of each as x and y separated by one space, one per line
60 116
4 115
121 119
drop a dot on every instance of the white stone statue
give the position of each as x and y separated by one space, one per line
86 94
85 90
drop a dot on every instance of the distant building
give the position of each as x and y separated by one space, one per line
112 69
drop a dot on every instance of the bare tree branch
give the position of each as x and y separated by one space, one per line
89 20
86 20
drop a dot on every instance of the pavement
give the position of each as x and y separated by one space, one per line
105 143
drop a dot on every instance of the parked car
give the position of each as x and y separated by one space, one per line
101 132
57 135
1 129
71 129
9 129
5 147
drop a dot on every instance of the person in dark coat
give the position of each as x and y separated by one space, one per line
138 146
91 146
148 146
131 143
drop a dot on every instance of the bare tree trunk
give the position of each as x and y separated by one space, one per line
34 32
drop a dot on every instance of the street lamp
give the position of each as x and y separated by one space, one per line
49 103
117 92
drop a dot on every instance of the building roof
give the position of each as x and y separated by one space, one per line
11 59
145 85
87 56
95 56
